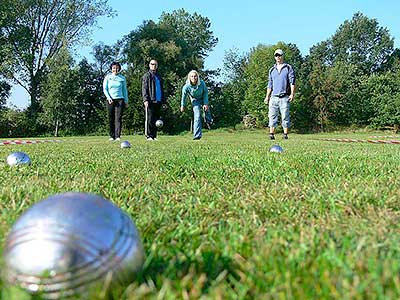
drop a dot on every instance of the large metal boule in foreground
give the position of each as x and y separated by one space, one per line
18 158
70 245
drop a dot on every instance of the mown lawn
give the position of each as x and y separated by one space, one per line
223 218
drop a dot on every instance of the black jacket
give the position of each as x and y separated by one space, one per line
149 88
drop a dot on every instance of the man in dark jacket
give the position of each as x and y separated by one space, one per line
153 99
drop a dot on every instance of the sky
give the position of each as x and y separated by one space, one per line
242 24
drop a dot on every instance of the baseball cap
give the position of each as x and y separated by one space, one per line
278 51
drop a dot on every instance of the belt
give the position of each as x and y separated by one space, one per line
282 95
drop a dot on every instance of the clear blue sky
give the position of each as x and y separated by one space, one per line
244 24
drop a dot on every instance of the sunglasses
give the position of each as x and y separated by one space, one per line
276 55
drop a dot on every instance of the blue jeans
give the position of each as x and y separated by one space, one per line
197 109
207 116
279 105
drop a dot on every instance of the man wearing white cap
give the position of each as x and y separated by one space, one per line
280 92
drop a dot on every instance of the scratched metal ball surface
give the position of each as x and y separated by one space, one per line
159 123
72 244
125 144
18 158
276 149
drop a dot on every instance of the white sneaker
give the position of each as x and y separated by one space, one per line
155 139
149 139
110 139
117 139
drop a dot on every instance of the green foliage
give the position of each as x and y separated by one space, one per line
230 110
59 97
360 42
40 30
223 218
5 89
335 95
363 43
336 68
15 123
384 91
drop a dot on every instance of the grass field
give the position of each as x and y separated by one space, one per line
223 218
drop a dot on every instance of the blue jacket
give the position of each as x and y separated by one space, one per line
280 82
114 87
195 92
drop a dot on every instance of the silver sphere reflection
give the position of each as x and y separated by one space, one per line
276 149
18 158
125 144
72 244
159 123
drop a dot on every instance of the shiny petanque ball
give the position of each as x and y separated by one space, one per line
159 123
125 144
276 149
18 158
72 245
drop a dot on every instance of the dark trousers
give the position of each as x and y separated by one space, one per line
152 115
115 110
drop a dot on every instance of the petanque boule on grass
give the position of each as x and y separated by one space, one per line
18 158
72 245
276 149
125 144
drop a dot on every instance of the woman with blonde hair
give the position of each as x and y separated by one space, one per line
195 88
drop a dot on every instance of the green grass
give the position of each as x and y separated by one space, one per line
223 218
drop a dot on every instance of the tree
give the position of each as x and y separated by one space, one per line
360 42
5 89
60 100
42 27
5 16
14 123
91 111
229 110
383 92
193 34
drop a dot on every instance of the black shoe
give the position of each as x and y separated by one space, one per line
271 136
196 138
285 136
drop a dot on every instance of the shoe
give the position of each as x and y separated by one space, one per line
149 139
271 136
118 139
155 139
197 138
111 139
285 136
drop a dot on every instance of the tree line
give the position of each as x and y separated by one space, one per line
351 79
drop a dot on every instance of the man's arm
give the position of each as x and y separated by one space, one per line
266 100
292 81
292 91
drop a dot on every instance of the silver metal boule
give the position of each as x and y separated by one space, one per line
18 158
276 149
125 144
159 123
72 244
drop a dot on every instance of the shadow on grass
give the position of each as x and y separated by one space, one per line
207 268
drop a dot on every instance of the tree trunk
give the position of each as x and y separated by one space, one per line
56 129
34 107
